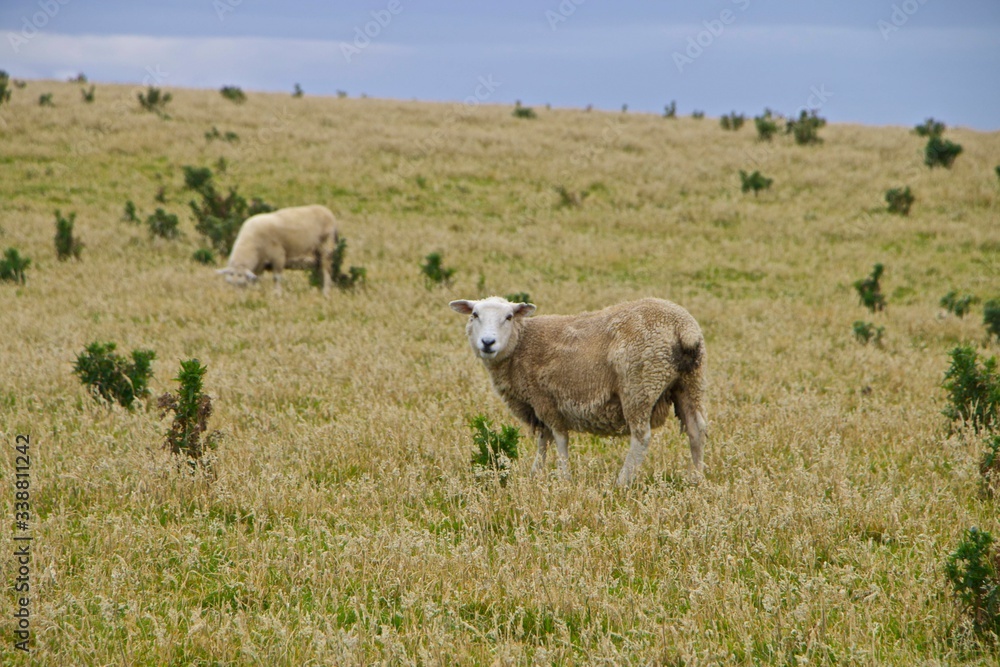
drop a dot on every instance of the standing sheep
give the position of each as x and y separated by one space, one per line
294 238
609 372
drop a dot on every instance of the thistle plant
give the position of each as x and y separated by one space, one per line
870 290
497 450
113 378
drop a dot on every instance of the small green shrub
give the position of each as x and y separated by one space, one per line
991 317
518 297
4 87
198 179
130 214
959 305
698 115
974 572
524 112
88 95
973 390
997 170
766 125
355 276
229 136
297 92
66 244
496 450
45 100
732 122
989 466
569 199
806 128
434 272
161 194
941 152
930 128
899 200
13 266
155 101
670 111
867 332
111 377
233 94
755 182
219 218
191 408
163 224
341 94
870 290
204 256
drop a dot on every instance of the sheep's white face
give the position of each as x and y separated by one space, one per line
238 277
492 327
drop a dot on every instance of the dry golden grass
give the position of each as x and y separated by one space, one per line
345 525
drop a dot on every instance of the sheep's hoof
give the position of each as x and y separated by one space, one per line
695 476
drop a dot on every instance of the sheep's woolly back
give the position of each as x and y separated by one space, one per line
285 237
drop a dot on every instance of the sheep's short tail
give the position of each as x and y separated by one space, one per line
690 354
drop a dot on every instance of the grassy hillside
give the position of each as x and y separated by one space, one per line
343 523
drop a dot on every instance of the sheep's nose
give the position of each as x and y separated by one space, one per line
487 343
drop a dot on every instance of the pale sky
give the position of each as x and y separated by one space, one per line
871 61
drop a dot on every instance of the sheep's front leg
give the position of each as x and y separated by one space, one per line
277 283
638 446
544 438
327 268
562 451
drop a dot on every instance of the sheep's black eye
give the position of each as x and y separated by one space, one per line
509 317
475 316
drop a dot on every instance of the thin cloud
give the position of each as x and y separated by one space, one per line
191 61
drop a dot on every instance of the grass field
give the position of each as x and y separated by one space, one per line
342 522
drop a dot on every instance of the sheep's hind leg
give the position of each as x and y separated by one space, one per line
544 438
638 446
693 423
562 450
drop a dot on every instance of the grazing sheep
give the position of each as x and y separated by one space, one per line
610 372
294 238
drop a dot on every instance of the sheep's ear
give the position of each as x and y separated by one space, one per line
462 306
524 309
